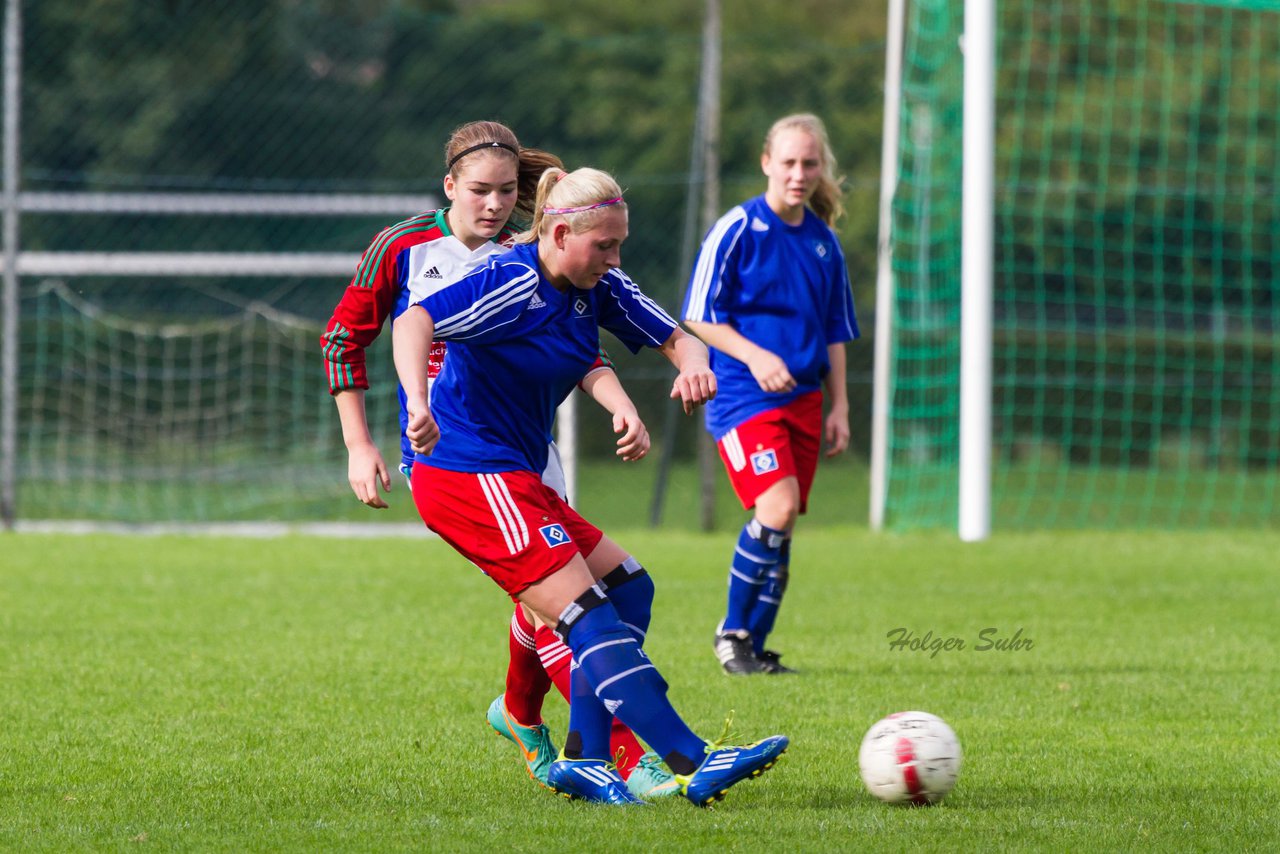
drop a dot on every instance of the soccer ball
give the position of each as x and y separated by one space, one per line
910 758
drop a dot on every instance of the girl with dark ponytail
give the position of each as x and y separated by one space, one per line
491 181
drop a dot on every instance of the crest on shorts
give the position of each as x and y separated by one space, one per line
555 535
764 461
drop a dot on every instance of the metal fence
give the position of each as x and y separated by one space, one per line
187 187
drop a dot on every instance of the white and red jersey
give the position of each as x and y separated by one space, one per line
405 263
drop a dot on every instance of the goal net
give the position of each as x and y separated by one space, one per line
1136 374
148 401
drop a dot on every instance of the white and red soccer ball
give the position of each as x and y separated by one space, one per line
910 758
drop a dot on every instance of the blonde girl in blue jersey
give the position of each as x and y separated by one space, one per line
521 330
770 296
489 179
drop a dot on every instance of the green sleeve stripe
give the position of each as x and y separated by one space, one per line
340 376
372 259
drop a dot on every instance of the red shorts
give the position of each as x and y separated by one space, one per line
773 445
510 524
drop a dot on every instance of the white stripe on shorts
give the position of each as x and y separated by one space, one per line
522 535
733 450
503 513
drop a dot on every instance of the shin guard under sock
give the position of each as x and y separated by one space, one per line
764 613
754 556
630 589
556 659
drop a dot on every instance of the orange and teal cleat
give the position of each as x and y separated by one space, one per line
534 741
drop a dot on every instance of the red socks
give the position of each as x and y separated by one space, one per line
527 682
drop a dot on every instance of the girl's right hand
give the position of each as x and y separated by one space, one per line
422 430
365 470
771 372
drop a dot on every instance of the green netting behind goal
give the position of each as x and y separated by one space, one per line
151 403
1137 265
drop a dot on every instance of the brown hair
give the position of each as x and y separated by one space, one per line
827 199
497 140
580 198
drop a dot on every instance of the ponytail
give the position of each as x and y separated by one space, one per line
579 198
534 162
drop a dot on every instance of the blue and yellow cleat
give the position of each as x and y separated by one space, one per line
592 780
725 766
534 741
650 779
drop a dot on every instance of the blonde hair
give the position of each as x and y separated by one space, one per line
581 198
495 139
827 200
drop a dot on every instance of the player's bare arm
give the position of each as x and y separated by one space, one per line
606 389
835 427
411 338
365 466
769 370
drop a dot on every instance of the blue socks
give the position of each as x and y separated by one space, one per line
765 609
612 676
755 556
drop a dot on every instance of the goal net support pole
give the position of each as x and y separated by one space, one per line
976 266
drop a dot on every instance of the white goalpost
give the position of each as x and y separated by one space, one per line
976 269
974 518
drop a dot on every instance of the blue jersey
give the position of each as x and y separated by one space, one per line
783 287
517 348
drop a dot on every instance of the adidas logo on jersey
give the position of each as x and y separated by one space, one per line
433 273
537 302
757 224
612 706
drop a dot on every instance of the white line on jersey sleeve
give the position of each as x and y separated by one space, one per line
516 291
709 270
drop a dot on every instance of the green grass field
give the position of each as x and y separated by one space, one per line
204 694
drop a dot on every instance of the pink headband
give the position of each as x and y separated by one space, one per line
558 211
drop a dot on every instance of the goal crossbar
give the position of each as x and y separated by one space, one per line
211 264
227 204
186 263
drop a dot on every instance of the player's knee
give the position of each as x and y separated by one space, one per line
578 609
779 505
589 618
630 588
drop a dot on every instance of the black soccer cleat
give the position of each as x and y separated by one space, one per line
770 663
735 654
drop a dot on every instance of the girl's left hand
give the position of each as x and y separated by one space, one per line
836 431
694 387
